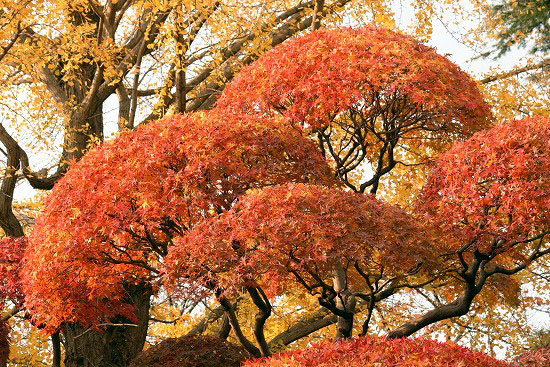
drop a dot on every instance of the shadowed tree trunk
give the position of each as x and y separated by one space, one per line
345 303
121 340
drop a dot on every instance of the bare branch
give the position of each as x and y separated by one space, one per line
508 74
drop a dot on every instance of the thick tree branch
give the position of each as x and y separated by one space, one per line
8 221
36 180
11 42
508 74
8 315
317 13
230 311
303 328
212 316
264 311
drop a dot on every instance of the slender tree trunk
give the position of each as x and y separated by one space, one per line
116 346
4 344
56 346
345 301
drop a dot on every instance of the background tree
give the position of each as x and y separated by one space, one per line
512 26
522 20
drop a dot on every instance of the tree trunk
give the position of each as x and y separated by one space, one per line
4 344
345 301
56 346
80 131
115 346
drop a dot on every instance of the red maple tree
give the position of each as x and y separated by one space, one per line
112 218
241 198
489 197
370 96
301 234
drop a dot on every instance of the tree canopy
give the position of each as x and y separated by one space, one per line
262 201
111 219
371 96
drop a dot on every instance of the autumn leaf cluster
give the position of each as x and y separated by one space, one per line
492 190
305 231
110 220
333 70
370 351
11 254
539 357
192 351
370 96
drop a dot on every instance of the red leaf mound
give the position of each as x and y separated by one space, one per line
539 357
369 95
192 351
111 218
11 255
301 231
381 352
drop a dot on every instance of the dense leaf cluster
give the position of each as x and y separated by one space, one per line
11 255
381 352
192 351
304 231
491 191
539 357
370 96
110 221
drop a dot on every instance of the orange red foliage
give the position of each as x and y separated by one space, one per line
492 190
11 255
312 78
111 219
298 233
368 95
539 357
381 352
